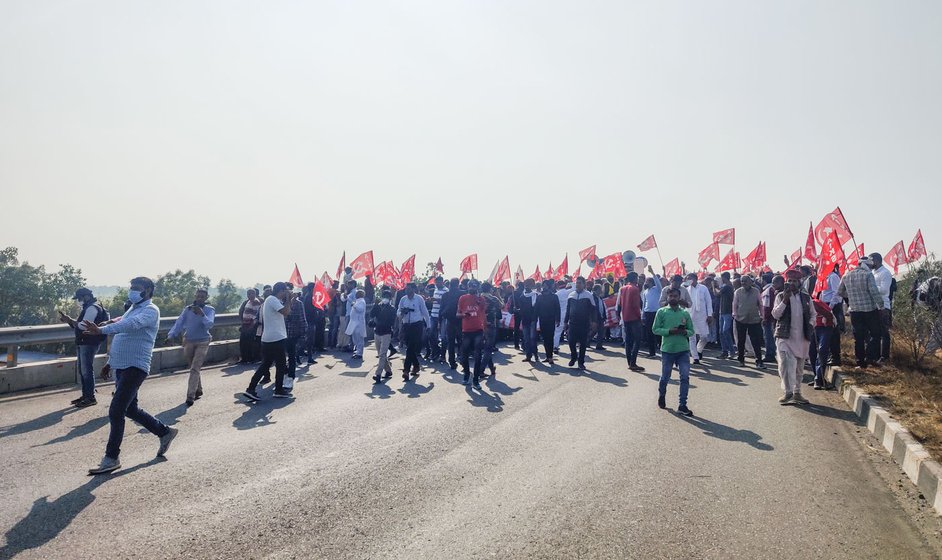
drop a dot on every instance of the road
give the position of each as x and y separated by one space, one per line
543 463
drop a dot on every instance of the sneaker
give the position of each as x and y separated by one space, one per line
106 466
818 387
723 356
165 441
189 402
251 395
582 367
760 365
265 380
76 401
282 394
310 361
393 351
493 371
465 382
86 403
572 362
377 379
356 357
742 363
661 403
405 376
387 375
684 410
797 398
198 395
651 354
696 361
785 399
476 386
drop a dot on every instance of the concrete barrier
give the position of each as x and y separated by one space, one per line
64 371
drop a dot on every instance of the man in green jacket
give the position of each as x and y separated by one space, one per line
675 326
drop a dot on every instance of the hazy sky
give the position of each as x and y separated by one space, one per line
239 137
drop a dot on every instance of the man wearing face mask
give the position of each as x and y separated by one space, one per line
415 319
276 307
383 318
86 345
472 310
194 324
130 357
793 334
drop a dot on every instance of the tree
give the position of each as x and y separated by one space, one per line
228 296
917 327
31 296
174 290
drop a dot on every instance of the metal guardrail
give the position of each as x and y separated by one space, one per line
12 338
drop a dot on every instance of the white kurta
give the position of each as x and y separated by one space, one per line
563 295
701 307
356 323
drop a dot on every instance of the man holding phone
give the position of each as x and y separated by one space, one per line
415 319
675 327
86 345
277 306
194 324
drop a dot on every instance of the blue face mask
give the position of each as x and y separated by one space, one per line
136 296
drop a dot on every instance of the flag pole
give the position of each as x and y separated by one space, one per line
659 256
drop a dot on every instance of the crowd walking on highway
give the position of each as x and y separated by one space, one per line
774 318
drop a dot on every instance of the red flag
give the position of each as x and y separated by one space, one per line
578 272
648 244
343 265
896 257
325 280
407 273
295 277
503 271
321 296
756 258
362 265
795 259
563 269
831 254
548 275
536 276
439 267
613 264
707 255
811 254
586 253
726 236
384 274
518 276
833 222
729 262
672 268
917 249
468 264
853 259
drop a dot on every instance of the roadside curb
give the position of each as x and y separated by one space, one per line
915 461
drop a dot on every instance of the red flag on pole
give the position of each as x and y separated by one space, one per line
917 249
896 257
729 262
853 259
835 222
536 276
756 258
613 264
325 280
548 275
295 277
562 270
672 268
321 296
439 267
343 265
726 236
503 271
811 253
407 272
831 254
469 263
708 254
578 272
586 253
518 276
647 244
362 265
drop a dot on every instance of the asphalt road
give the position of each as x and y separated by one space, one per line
543 463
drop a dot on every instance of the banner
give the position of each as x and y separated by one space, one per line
611 311
320 297
613 264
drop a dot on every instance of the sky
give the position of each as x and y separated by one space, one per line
237 138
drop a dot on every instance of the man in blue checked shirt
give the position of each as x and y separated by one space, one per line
193 325
134 335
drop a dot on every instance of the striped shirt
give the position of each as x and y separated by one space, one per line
134 336
437 301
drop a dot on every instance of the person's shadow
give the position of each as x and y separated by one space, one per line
719 431
46 519
85 429
44 421
413 390
257 414
493 403
380 391
500 387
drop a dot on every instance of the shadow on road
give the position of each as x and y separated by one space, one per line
499 387
44 421
380 391
413 390
85 429
46 519
482 399
829 412
258 414
720 431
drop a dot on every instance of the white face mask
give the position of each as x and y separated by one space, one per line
384 300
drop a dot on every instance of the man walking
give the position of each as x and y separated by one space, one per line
527 312
194 324
275 308
129 357
865 302
415 319
675 327
775 285
701 311
563 290
835 302
548 315
437 332
745 312
725 300
884 282
448 311
629 307
579 314
86 345
651 296
472 309
356 324
296 327
794 330
493 315
383 316
248 317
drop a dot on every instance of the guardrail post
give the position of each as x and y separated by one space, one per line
13 352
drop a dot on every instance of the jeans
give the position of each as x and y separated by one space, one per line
195 354
382 351
529 339
548 334
839 326
272 353
726 334
820 351
886 322
332 327
291 351
578 338
867 334
434 338
124 404
668 360
490 346
632 341
768 332
453 334
651 340
248 346
755 335
472 344
86 367
412 333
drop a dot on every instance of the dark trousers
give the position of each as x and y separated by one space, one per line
490 346
248 346
319 335
272 353
548 333
472 345
432 338
332 329
651 341
517 330
578 340
632 334
453 334
886 321
867 334
412 333
528 332
838 311
819 351
754 330
291 349
124 404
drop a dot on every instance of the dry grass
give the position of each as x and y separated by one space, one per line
912 396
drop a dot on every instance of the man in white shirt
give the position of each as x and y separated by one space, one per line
884 283
701 312
562 292
415 319
276 307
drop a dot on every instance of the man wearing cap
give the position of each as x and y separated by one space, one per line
86 345
864 301
194 324
794 331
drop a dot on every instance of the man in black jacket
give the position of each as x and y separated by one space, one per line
515 309
448 311
527 312
579 314
548 313
383 319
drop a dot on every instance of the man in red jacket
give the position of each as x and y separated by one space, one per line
629 307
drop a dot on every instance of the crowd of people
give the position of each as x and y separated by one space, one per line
775 318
